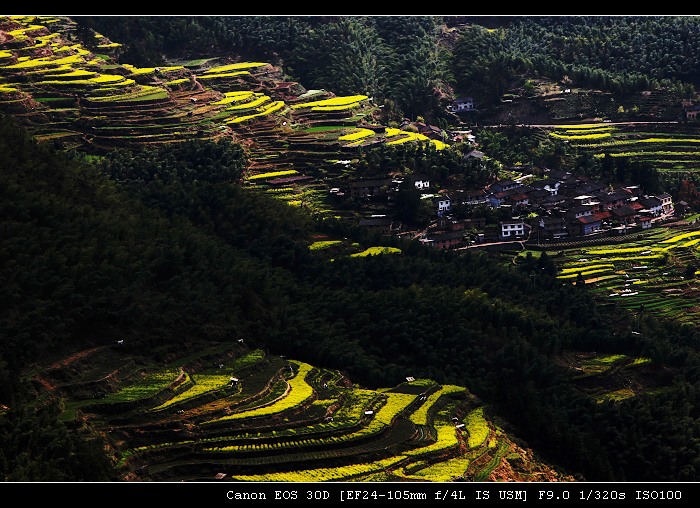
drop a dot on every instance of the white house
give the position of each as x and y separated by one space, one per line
442 202
421 182
512 229
666 203
462 105
652 205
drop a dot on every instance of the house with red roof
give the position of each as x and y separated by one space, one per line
588 224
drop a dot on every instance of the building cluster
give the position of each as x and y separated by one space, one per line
557 205
554 206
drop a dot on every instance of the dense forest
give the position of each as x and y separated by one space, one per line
166 247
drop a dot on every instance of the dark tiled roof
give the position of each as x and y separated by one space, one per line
650 202
371 183
446 236
623 211
376 221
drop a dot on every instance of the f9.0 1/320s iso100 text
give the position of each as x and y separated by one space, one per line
610 495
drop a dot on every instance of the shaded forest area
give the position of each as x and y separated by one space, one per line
155 247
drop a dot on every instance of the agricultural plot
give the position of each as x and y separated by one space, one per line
611 377
376 251
213 379
646 275
239 414
671 148
123 105
80 100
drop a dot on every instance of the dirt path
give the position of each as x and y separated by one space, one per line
74 357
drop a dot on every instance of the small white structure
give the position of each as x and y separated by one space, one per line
666 202
462 105
512 228
420 182
442 202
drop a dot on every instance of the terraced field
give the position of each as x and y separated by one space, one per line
233 413
645 274
85 99
609 377
650 276
670 147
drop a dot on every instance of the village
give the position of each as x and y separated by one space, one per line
553 206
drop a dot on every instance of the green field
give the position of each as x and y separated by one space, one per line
648 274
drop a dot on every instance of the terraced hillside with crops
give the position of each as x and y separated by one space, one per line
611 377
82 98
648 274
670 147
652 274
239 414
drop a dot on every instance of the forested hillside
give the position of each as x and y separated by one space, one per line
165 249
418 61
89 261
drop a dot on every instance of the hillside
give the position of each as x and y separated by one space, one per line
233 413
113 316
124 350
183 296
549 102
84 100
78 99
